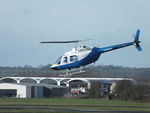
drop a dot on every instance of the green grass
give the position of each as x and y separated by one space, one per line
66 101
44 102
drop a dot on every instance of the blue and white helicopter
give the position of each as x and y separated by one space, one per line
83 55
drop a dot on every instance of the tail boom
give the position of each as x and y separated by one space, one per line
136 42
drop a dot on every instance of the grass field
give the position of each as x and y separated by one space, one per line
62 103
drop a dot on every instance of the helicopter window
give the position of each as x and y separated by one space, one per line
59 60
73 58
65 60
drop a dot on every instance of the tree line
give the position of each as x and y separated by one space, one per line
124 90
91 71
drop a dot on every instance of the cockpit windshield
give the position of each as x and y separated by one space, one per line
58 60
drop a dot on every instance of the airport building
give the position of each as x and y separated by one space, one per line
31 90
34 87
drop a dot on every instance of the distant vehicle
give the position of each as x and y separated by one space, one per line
83 55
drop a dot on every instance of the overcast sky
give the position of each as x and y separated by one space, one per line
24 23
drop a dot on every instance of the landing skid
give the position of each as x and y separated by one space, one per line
72 72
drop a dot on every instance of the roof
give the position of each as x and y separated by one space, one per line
59 80
63 78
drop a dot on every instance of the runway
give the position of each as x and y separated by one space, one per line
70 108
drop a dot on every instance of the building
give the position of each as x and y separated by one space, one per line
31 90
27 87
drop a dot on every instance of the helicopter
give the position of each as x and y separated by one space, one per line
83 55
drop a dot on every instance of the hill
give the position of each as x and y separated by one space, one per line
91 71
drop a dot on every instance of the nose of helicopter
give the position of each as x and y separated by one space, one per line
53 67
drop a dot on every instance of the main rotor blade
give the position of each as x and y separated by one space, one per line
72 41
75 41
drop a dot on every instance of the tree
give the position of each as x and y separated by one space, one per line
94 91
127 90
122 89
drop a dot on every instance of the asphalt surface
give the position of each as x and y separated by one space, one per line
71 109
100 106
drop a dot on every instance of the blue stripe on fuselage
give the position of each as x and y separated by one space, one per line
90 58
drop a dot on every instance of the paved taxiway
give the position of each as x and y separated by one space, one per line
70 108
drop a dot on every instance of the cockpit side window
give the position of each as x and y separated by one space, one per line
73 58
59 60
65 60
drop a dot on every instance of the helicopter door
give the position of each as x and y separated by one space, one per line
65 60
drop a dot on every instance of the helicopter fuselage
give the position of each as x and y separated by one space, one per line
79 56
